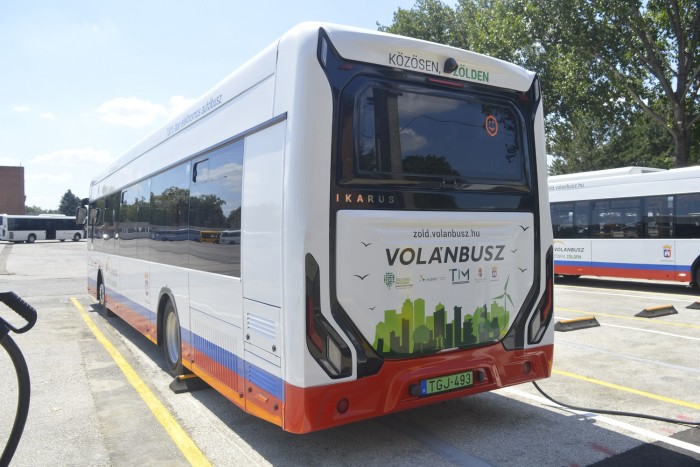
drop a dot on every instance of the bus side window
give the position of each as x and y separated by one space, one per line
657 219
687 221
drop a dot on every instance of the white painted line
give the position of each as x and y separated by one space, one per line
650 435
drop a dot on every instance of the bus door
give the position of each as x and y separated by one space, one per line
50 230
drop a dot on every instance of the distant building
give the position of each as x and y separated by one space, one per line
12 190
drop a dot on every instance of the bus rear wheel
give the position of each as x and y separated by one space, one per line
172 345
76 237
31 238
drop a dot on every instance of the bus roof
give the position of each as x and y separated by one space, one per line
602 173
626 183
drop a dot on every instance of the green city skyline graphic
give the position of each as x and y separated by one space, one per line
410 332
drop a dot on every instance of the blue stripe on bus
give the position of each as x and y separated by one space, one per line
264 379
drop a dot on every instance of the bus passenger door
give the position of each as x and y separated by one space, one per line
50 230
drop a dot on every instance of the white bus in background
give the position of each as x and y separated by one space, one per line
633 223
30 228
367 230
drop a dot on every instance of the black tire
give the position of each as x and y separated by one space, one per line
172 344
102 298
31 238
76 237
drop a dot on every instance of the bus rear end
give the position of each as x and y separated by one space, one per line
438 279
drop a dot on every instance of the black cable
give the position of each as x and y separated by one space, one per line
23 385
26 311
614 412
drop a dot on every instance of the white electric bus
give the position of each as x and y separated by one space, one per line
387 201
30 228
635 223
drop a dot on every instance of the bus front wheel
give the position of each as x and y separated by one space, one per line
102 298
76 237
172 346
31 238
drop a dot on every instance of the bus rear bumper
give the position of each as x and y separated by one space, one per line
315 408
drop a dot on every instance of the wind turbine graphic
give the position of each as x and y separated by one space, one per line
505 296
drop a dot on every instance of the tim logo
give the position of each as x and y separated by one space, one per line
389 279
459 276
667 251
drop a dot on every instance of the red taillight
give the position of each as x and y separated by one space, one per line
444 82
310 325
323 342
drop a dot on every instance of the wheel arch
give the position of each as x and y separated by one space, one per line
695 273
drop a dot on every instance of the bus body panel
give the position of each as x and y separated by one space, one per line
262 205
303 87
309 409
246 332
664 259
426 57
134 297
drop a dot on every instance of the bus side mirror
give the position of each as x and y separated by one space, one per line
81 215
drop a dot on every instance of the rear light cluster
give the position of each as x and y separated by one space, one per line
324 343
544 310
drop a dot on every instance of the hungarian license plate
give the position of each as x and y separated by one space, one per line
446 383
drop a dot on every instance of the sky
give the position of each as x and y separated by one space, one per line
81 82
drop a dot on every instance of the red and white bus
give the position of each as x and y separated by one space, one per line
635 223
388 201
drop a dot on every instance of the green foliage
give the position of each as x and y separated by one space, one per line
36 210
431 20
620 78
69 203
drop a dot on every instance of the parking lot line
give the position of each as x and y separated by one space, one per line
649 395
610 421
188 448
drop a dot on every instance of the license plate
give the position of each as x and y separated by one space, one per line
446 383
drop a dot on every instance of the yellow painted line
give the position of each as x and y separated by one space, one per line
190 450
633 318
630 390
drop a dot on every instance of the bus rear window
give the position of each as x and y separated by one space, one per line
414 136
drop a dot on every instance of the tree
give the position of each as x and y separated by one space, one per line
35 210
647 52
69 203
430 20
607 68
